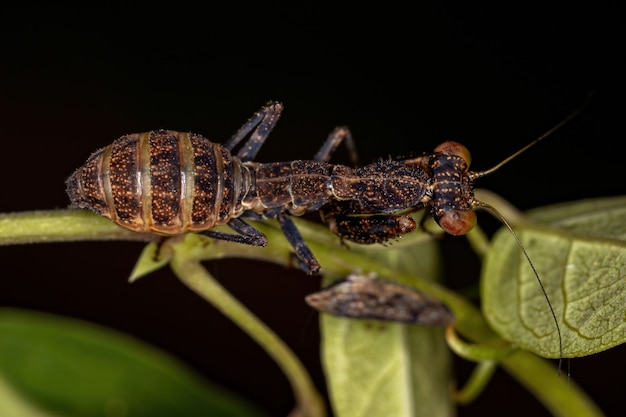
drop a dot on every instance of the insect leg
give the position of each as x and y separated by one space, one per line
247 234
338 135
339 215
305 259
264 120
350 221
372 229
332 213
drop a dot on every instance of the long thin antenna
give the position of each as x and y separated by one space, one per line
479 204
492 210
473 175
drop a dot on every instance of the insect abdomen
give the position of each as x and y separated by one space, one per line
161 182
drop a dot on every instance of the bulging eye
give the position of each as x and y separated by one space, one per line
454 148
458 222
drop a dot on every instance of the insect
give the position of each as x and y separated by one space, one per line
170 183
448 193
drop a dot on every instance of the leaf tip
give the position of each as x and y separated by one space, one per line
151 259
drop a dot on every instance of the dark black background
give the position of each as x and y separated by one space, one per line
72 79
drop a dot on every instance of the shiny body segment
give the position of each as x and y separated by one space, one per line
162 182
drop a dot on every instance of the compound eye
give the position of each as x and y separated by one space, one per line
458 222
454 148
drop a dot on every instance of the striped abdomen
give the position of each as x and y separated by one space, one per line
161 182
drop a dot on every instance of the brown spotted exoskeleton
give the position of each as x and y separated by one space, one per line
170 183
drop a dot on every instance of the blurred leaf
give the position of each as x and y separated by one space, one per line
71 368
13 404
376 368
579 251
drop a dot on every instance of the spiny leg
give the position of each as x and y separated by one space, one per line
338 135
374 228
378 228
264 120
305 260
351 221
247 234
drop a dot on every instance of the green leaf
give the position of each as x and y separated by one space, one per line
151 259
579 251
385 369
55 366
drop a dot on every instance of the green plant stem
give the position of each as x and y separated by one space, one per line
194 275
530 370
62 226
478 381
560 395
